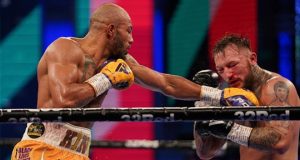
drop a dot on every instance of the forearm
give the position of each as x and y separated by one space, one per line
268 138
170 85
180 88
74 95
264 138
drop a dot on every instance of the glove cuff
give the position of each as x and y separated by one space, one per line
239 134
100 83
211 96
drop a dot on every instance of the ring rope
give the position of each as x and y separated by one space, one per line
128 144
159 114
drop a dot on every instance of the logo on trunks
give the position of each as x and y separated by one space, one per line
23 153
76 141
36 130
262 115
148 117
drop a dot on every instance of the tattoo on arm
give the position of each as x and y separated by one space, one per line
263 138
267 135
281 91
88 69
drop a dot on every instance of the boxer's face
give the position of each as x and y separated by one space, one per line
234 65
123 39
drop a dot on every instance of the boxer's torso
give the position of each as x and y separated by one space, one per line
86 68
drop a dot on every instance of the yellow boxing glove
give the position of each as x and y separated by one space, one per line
119 74
238 97
228 97
116 74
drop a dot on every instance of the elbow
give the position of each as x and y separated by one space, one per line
281 147
204 156
64 101
69 104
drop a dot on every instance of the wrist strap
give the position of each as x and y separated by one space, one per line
239 134
100 83
210 95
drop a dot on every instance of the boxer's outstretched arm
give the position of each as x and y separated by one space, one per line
277 136
170 85
59 68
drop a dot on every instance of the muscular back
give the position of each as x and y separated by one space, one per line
62 71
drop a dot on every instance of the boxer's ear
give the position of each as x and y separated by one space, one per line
253 58
111 30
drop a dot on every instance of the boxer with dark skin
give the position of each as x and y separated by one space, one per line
71 74
75 73
261 140
69 62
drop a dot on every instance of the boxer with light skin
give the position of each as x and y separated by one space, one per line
262 140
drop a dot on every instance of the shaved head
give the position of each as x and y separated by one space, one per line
109 13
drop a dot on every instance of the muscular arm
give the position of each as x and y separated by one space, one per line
58 74
66 92
170 85
276 135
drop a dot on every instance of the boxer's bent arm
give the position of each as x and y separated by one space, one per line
276 135
207 147
61 63
64 87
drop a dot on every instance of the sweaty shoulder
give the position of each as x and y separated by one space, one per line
64 50
279 91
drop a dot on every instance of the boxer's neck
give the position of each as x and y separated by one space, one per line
256 79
